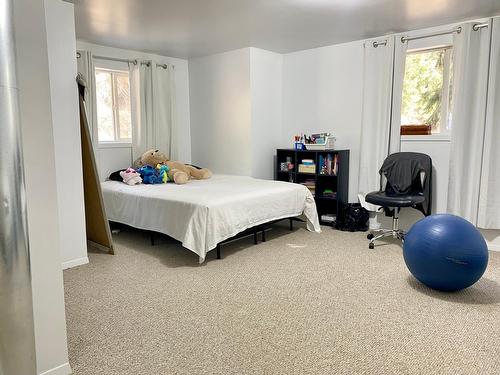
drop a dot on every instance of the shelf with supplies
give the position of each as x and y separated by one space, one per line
326 176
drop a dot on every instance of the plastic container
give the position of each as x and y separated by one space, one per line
329 144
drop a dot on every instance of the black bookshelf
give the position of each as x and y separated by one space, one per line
338 183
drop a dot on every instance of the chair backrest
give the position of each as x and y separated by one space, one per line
405 173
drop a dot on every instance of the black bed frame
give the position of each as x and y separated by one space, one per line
254 231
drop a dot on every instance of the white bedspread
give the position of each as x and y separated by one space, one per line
201 214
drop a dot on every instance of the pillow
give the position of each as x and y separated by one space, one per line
115 176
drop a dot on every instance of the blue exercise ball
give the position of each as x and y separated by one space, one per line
445 252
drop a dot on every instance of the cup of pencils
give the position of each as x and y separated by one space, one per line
299 142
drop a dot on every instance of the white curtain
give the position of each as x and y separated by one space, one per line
153 104
471 60
86 68
162 108
400 49
177 143
142 107
381 113
489 195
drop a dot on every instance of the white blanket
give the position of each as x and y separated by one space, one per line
203 213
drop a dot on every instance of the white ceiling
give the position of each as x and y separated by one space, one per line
190 28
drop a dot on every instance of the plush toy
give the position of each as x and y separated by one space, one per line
131 177
149 175
163 172
178 172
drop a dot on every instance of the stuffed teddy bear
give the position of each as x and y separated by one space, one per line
178 172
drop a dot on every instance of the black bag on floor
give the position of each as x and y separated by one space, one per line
354 219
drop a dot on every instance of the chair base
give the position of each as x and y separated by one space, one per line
395 232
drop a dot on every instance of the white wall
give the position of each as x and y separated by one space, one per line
236 109
221 112
492 238
61 44
110 159
266 73
322 92
41 187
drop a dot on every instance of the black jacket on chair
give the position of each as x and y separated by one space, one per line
404 186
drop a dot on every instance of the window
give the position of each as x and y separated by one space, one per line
114 119
427 98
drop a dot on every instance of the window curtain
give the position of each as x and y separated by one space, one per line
177 144
400 49
471 62
142 99
489 195
163 108
153 103
85 65
381 113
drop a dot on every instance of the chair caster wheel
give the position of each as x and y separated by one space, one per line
371 246
370 236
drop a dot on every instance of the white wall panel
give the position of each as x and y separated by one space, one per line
221 112
41 185
61 43
111 159
266 72
322 92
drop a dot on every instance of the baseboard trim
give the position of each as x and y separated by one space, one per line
75 263
99 247
493 247
64 369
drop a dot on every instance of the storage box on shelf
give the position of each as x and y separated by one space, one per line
327 144
327 177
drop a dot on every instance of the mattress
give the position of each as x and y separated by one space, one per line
201 214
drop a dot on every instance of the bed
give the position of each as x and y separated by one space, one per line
202 214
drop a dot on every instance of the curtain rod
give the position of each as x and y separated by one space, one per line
382 43
79 55
458 30
405 39
135 62
479 26
164 66
116 59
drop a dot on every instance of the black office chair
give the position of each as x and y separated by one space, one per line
405 181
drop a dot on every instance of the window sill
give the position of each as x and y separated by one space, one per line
114 145
426 138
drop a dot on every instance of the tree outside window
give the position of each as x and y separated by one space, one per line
427 90
114 119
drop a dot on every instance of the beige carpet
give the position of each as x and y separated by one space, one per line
301 303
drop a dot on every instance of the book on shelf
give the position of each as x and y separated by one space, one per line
329 164
307 168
